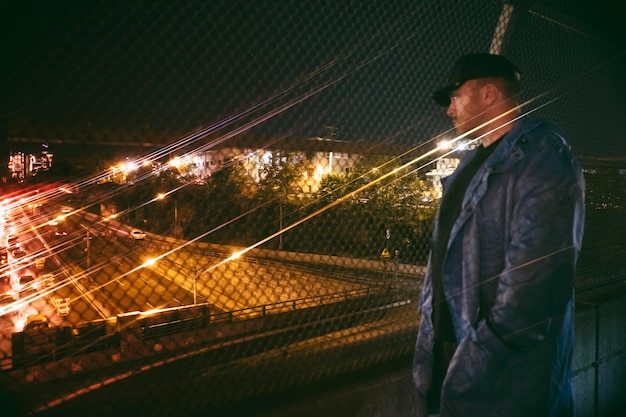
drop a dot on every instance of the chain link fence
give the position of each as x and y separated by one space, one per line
211 203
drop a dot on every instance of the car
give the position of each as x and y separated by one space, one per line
13 243
18 253
26 279
137 234
63 307
35 322
28 284
7 298
60 233
4 254
47 280
40 263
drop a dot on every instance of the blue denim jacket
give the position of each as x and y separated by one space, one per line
508 277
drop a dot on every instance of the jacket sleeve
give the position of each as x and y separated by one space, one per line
544 241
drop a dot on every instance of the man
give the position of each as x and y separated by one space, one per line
497 308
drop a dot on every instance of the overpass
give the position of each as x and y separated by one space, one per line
348 326
353 345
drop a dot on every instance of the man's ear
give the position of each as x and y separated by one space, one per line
491 94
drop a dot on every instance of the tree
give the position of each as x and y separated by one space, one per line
279 176
389 199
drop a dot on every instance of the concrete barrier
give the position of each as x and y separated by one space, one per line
599 381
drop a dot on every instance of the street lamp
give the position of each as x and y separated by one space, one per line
87 249
280 223
175 218
161 196
197 274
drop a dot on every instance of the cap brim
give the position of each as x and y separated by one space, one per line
442 96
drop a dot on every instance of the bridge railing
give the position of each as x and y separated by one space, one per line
127 331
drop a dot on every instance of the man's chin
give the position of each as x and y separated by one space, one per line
462 130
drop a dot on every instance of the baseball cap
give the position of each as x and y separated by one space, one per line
472 66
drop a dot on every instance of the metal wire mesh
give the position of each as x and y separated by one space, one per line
235 198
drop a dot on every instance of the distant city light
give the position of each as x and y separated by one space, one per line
128 167
176 162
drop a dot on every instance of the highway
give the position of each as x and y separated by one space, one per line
143 306
102 272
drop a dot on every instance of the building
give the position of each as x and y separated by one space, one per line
319 157
22 166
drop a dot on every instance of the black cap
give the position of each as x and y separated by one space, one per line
474 66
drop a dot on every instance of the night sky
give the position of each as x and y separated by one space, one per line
365 67
151 64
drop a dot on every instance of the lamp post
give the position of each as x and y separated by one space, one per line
161 196
280 223
195 289
197 274
87 249
176 219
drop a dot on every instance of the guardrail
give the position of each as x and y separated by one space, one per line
175 320
138 335
54 343
296 304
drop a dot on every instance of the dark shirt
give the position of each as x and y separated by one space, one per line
449 211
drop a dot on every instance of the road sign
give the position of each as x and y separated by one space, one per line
385 254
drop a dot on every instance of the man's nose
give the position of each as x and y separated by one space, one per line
451 110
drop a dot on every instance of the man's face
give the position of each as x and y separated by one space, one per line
467 107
